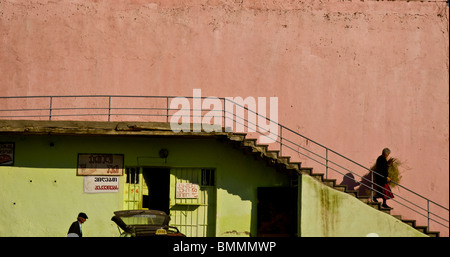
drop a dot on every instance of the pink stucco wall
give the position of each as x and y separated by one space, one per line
356 76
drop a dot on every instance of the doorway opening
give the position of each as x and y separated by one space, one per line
158 184
277 211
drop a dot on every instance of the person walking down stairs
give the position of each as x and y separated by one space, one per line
381 186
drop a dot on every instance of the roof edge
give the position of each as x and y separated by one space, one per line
127 128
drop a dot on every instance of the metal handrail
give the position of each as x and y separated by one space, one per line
51 112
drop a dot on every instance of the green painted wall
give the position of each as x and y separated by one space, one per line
41 194
326 212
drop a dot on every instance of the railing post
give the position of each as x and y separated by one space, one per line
50 110
224 111
428 213
326 170
225 115
371 185
281 140
109 108
167 109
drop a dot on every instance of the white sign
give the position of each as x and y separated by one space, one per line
101 184
187 190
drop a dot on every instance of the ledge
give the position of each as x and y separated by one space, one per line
35 127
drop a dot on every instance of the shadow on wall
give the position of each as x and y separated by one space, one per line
363 185
349 181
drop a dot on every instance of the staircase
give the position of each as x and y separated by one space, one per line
283 164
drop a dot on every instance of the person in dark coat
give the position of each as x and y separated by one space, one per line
381 179
75 229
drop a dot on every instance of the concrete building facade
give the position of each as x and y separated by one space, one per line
356 76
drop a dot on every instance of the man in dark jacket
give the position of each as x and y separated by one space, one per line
75 229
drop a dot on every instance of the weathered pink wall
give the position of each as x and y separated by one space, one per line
356 76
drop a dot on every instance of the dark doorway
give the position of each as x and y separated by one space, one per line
277 211
158 183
